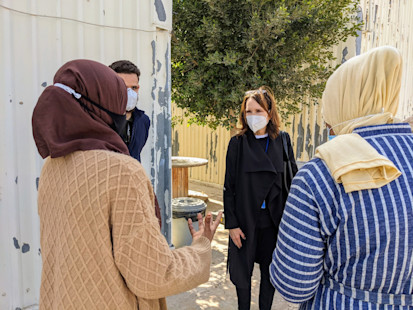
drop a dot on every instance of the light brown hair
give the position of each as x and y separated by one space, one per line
265 98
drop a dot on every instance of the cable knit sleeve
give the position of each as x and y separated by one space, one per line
150 268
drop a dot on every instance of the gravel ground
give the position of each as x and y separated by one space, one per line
219 292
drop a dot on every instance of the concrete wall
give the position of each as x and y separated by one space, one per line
36 38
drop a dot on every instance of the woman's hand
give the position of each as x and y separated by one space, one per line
206 229
236 234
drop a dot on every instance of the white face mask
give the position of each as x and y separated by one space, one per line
256 122
132 100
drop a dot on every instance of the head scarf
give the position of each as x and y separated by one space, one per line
363 91
61 125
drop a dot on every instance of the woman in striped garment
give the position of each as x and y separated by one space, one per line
346 237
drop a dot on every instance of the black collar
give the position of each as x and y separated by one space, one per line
256 159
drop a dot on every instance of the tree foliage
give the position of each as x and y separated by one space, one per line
221 48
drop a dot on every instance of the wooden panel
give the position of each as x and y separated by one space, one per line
179 182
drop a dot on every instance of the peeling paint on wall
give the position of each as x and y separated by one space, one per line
163 139
122 34
16 243
153 45
300 138
25 248
175 144
160 10
390 23
344 53
164 96
309 147
213 149
318 136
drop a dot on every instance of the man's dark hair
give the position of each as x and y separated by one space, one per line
125 66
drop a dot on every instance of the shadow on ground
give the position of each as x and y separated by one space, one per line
219 292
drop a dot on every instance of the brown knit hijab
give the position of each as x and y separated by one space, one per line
61 125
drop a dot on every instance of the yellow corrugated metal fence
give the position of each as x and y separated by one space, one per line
385 23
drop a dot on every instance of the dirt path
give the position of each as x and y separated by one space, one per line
219 292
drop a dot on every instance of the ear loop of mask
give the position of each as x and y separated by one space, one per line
76 95
119 120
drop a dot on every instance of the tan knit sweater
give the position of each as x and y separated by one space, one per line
100 240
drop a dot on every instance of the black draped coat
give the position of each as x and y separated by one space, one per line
252 176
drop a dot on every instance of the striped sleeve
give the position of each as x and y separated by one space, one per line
297 263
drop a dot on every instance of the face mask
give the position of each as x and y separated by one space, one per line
256 122
132 100
119 121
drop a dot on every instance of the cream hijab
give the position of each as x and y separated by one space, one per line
363 91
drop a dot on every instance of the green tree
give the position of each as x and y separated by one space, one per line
221 48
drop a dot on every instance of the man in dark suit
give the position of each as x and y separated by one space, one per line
136 131
137 128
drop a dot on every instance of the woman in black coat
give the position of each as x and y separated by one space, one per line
255 194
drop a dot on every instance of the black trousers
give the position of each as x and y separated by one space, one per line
266 292
265 245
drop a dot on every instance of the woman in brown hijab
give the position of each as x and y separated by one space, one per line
100 239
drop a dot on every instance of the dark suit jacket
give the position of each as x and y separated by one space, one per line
140 129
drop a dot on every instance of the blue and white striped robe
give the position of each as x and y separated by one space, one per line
363 240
